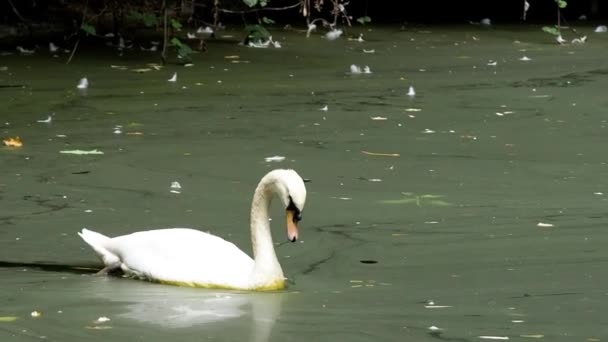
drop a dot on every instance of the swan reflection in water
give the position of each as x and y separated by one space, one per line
182 307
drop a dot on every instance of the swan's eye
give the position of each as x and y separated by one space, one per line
297 214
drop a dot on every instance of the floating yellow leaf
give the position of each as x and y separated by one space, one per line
232 57
13 142
5 319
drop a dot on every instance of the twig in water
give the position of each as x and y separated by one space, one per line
73 51
381 154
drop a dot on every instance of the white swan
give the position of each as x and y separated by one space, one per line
188 257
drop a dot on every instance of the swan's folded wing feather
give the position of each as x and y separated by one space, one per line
182 255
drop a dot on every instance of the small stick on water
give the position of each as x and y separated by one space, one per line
381 154
73 51
283 243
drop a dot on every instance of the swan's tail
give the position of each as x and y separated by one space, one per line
99 243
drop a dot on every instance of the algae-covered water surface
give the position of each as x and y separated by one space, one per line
474 209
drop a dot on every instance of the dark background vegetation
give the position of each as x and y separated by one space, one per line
381 11
35 22
463 11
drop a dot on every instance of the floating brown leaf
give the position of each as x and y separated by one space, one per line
13 142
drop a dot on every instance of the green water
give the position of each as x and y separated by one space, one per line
446 226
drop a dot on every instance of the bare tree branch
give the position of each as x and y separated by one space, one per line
10 2
224 10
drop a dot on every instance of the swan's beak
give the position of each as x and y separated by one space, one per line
292 226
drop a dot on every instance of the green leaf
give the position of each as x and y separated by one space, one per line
399 201
6 319
257 33
431 196
267 21
440 203
364 20
176 42
551 30
150 19
134 15
89 29
250 3
184 50
176 25
561 3
419 200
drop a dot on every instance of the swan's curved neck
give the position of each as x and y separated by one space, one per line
267 267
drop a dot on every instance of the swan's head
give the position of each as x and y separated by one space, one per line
291 190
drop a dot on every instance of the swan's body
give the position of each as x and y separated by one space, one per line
188 257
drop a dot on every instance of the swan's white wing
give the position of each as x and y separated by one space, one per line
181 256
